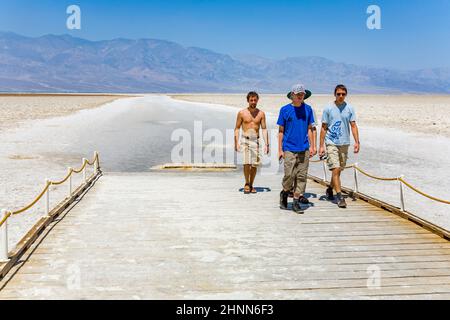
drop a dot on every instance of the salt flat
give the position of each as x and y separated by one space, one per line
427 114
18 108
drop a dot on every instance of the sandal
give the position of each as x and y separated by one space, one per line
253 190
247 188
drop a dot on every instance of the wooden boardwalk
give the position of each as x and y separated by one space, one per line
166 235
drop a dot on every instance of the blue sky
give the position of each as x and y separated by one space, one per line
414 34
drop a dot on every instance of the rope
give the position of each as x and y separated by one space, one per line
421 192
392 179
96 158
82 167
35 200
56 183
7 215
372 176
47 186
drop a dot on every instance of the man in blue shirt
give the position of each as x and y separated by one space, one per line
337 119
296 144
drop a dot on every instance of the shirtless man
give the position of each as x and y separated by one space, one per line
251 119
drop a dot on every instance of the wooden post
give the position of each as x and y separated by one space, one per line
402 195
355 176
96 162
47 198
4 238
84 170
324 170
70 181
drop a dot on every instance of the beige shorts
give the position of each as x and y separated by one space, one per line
250 148
337 156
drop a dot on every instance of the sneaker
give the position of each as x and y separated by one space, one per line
283 199
341 203
329 193
296 206
303 200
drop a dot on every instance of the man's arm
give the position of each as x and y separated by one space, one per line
323 132
355 133
312 133
312 136
265 133
280 142
236 131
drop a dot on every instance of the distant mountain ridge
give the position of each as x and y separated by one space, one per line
62 63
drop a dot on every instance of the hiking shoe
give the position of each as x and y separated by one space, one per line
283 199
303 200
341 203
296 206
329 193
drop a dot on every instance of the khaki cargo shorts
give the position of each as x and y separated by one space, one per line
337 156
250 148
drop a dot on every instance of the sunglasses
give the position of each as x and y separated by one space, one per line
341 94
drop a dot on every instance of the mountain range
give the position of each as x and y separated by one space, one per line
62 63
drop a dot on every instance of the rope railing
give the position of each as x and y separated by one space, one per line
6 214
421 192
27 207
400 179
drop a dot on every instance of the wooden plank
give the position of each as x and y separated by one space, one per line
391 208
151 244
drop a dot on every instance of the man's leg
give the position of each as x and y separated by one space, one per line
288 179
301 171
334 166
293 188
255 163
247 171
336 179
343 153
253 170
247 165
289 170
302 177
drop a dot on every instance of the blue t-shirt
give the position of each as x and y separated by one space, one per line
338 119
296 121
